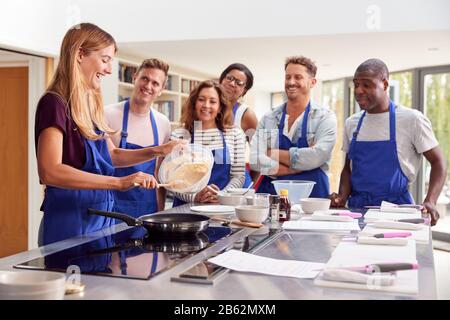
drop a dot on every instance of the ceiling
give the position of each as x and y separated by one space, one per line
335 55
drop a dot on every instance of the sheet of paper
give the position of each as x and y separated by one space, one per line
307 224
246 262
376 214
351 254
421 236
349 250
331 211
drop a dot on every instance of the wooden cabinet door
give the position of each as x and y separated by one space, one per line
13 160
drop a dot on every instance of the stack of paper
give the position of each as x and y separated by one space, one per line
350 254
307 224
246 262
373 214
421 236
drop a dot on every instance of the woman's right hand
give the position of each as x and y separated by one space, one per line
138 179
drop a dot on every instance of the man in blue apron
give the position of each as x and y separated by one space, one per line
384 143
141 126
295 141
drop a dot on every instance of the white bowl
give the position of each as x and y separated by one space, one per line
297 189
231 199
255 214
310 205
32 285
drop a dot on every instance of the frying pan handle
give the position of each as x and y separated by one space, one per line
129 220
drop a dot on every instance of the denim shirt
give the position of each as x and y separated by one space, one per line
321 137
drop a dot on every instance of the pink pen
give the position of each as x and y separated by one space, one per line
393 235
348 214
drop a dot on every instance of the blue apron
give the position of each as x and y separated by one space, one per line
322 187
376 172
220 173
248 178
65 210
137 201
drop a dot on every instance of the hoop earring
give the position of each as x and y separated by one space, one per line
219 118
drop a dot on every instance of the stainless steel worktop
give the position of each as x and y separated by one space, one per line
306 246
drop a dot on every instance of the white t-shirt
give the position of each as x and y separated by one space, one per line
414 135
140 129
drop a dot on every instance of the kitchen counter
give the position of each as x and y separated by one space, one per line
306 246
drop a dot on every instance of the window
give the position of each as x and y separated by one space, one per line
436 94
333 98
401 81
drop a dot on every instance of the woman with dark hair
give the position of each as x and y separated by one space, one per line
207 119
236 80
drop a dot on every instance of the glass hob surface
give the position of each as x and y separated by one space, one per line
128 254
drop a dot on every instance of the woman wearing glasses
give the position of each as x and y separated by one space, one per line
236 80
209 110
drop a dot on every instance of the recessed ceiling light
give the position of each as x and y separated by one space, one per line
433 49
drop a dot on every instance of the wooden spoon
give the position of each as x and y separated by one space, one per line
238 222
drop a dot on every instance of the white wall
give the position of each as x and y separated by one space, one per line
39 25
260 101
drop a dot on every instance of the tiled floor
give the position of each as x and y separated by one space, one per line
442 266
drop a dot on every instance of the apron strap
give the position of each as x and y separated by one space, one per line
358 127
124 134
154 129
225 151
304 127
392 121
235 108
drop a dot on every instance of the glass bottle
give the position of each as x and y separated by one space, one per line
285 206
274 207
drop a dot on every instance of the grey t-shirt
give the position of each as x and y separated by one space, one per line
414 135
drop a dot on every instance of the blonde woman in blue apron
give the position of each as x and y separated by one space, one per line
75 156
139 125
206 119
236 80
303 134
384 144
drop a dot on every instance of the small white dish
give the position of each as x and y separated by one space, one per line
310 205
31 285
231 199
211 209
255 214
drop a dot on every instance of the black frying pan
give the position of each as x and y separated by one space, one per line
162 224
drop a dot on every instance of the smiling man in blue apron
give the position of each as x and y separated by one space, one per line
295 140
139 125
384 143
